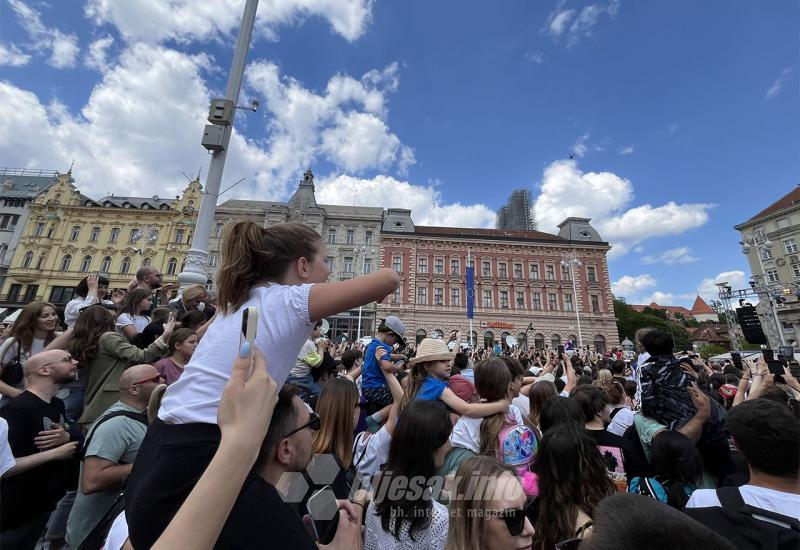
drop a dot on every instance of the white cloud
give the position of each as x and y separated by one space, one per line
577 24
63 47
187 20
680 255
628 286
12 56
98 52
775 89
582 145
534 57
425 201
672 128
627 149
667 299
605 197
709 291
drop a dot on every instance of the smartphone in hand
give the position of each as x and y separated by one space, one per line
324 511
249 327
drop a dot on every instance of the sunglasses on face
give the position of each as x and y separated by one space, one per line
569 544
514 519
156 378
313 424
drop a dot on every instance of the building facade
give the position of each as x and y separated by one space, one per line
350 233
17 189
68 235
517 214
777 266
521 288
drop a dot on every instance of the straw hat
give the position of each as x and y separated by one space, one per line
431 349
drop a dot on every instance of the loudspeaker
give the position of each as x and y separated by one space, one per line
751 325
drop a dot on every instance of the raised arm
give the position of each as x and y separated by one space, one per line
473 410
328 299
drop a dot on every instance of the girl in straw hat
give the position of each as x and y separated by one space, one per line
430 370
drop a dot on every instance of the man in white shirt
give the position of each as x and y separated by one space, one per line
767 434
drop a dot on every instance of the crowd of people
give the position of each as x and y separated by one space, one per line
130 420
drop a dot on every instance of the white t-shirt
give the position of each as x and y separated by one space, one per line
301 368
523 403
621 421
6 457
787 504
118 533
370 452
283 327
139 322
467 431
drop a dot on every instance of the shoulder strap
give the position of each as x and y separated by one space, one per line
360 437
139 417
730 498
614 412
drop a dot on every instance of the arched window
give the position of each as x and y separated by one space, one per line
105 266
65 261
146 262
574 340
473 341
126 265
172 265
86 264
522 338
27 259
555 341
538 340
421 335
600 343
438 334
488 339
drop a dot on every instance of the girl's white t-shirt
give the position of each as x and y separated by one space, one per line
283 328
466 433
139 322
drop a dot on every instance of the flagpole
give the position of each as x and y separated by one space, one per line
471 343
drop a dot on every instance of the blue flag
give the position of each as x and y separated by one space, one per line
470 292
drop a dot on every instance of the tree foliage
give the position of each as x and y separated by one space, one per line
629 321
710 350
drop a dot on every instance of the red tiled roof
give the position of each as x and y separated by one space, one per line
784 202
701 307
671 309
476 232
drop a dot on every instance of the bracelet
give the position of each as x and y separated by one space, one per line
357 503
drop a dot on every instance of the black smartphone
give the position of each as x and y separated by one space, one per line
736 357
768 355
776 368
324 511
560 350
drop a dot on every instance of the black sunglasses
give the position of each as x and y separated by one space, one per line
515 519
313 424
569 544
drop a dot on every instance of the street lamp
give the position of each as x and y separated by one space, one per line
365 251
571 260
761 244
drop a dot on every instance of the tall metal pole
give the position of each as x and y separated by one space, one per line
194 272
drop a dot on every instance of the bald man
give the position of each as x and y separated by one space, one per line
36 425
111 447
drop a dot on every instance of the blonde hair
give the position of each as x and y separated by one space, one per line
155 402
336 410
603 375
194 292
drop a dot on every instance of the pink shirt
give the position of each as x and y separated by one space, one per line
167 368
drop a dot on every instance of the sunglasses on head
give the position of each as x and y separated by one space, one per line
313 424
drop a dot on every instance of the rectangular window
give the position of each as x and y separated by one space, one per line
534 271
30 293
520 300
76 231
13 292
422 296
179 236
455 268
503 268
397 264
153 236
568 302
472 264
4 221
504 299
423 265
368 238
537 300
772 275
213 259
351 236
396 297
455 297
766 254
789 246
438 296
552 301
565 272
114 235
348 265
438 265
487 298
550 272
796 270
595 303
329 261
591 274
219 229
61 294
367 265
331 236
518 271
487 269
95 234
39 230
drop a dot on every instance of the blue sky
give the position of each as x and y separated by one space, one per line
682 117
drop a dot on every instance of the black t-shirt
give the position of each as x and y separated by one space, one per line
31 493
615 449
260 519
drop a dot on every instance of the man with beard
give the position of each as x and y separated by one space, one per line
36 425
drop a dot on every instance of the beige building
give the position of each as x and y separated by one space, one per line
68 235
350 234
779 223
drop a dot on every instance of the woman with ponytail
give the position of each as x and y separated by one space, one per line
281 270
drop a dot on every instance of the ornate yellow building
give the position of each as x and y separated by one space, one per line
68 235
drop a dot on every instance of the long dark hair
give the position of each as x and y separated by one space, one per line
676 462
133 298
24 328
492 380
572 477
252 254
422 428
91 324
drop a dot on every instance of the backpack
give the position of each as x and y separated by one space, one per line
517 444
743 524
140 417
